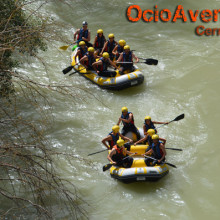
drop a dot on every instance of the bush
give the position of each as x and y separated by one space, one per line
18 32
30 186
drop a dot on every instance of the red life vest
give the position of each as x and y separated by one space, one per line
118 150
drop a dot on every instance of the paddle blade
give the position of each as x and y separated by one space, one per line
66 70
179 117
106 167
170 164
151 61
64 47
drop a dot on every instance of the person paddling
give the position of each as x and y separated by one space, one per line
82 50
88 59
148 139
158 151
148 124
101 66
119 48
113 136
126 60
118 154
99 41
109 46
127 119
83 34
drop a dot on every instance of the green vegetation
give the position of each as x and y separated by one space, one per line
30 187
18 32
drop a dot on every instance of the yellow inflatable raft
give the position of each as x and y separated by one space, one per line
112 83
139 171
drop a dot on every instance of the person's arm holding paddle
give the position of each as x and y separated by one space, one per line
112 63
125 138
76 33
119 121
104 47
104 140
135 57
145 130
149 152
83 59
88 38
162 147
158 122
95 64
140 141
120 58
127 120
163 140
77 55
113 151
114 51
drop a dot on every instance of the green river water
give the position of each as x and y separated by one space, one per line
186 80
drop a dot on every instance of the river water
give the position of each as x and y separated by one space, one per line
184 81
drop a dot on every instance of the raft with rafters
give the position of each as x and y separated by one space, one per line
118 82
139 171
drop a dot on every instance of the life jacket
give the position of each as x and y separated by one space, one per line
82 52
120 49
100 42
158 153
110 46
119 154
127 57
151 126
104 65
149 140
82 33
126 117
114 139
90 61
118 150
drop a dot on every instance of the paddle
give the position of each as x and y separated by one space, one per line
174 149
126 146
147 61
178 118
65 47
170 164
98 152
69 68
77 71
66 70
109 165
